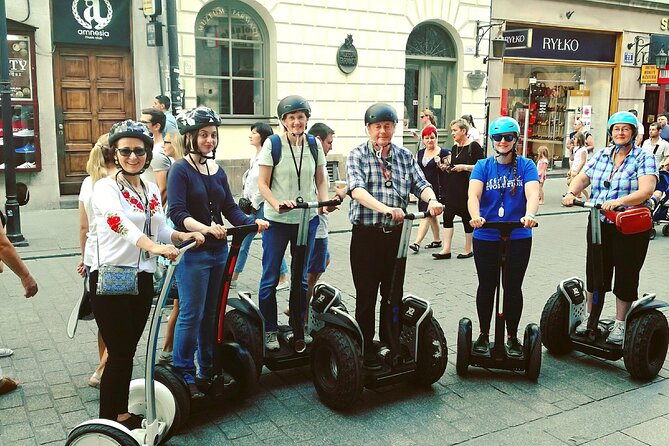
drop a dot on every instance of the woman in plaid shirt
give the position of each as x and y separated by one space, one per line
621 175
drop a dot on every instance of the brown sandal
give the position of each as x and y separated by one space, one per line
7 385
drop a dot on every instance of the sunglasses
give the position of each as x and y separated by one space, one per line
422 116
167 142
507 138
126 152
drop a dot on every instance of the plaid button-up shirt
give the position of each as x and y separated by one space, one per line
365 171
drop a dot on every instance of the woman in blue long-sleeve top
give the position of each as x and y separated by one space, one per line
198 193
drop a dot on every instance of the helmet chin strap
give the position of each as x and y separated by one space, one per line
203 156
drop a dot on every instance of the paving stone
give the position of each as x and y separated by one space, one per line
43 417
15 432
65 405
653 432
49 434
617 438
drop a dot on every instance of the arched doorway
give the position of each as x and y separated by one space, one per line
429 80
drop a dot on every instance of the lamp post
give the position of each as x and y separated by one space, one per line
12 205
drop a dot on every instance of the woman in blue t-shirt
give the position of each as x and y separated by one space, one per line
503 187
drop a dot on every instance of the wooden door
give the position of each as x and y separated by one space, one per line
93 90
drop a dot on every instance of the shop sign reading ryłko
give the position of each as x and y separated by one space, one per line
92 22
566 44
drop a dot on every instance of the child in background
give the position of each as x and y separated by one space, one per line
542 168
580 151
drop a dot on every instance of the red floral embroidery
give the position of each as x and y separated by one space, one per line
154 204
125 194
114 222
134 202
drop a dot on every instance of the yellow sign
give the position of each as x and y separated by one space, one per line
648 74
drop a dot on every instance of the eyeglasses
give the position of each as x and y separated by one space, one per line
167 142
126 151
422 116
507 138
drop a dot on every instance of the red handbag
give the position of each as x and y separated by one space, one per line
631 221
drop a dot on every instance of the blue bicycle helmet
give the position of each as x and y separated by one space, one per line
623 117
380 112
291 104
503 125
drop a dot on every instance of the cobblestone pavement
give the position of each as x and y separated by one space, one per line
577 400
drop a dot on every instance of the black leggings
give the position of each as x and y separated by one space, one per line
121 320
486 258
449 215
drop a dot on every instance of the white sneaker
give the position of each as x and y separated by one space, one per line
233 284
583 326
271 341
283 285
617 333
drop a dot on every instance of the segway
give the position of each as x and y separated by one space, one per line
246 325
644 346
497 356
416 350
233 364
157 402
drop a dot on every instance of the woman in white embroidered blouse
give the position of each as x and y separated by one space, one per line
129 221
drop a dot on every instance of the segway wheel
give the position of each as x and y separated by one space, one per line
652 234
432 353
532 351
645 348
170 378
243 330
554 325
166 406
238 364
464 346
665 230
336 368
99 435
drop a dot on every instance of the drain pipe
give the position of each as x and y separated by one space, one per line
173 45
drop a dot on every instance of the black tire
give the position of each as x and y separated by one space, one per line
168 376
554 325
532 347
652 234
464 347
336 368
665 230
89 433
243 330
432 353
646 338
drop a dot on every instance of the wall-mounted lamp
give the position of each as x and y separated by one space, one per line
639 45
498 43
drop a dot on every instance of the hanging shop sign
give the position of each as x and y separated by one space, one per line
347 56
20 67
648 74
567 44
517 38
92 22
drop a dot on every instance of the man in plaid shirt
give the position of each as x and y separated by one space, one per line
380 177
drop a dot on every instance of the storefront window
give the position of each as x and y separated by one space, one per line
231 73
429 80
546 99
24 96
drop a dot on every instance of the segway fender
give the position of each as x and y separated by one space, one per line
646 303
340 319
573 290
244 304
238 363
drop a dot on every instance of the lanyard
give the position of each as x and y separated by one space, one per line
145 203
298 170
500 211
385 165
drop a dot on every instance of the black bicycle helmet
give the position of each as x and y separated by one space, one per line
196 118
380 112
291 104
130 129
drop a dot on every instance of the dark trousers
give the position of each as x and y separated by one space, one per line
373 254
121 320
486 258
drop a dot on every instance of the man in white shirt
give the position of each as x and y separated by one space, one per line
657 146
640 135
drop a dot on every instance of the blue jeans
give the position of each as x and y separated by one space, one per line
274 243
246 245
199 277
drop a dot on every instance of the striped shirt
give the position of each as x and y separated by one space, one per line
365 171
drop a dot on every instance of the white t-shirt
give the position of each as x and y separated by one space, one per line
474 135
85 197
660 149
578 158
250 190
119 223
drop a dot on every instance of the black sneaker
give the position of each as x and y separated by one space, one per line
371 362
203 384
482 344
134 422
514 348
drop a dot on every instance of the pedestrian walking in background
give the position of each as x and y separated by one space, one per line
542 169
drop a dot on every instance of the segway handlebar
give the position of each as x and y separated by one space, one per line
185 245
590 204
310 205
416 215
243 229
504 225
